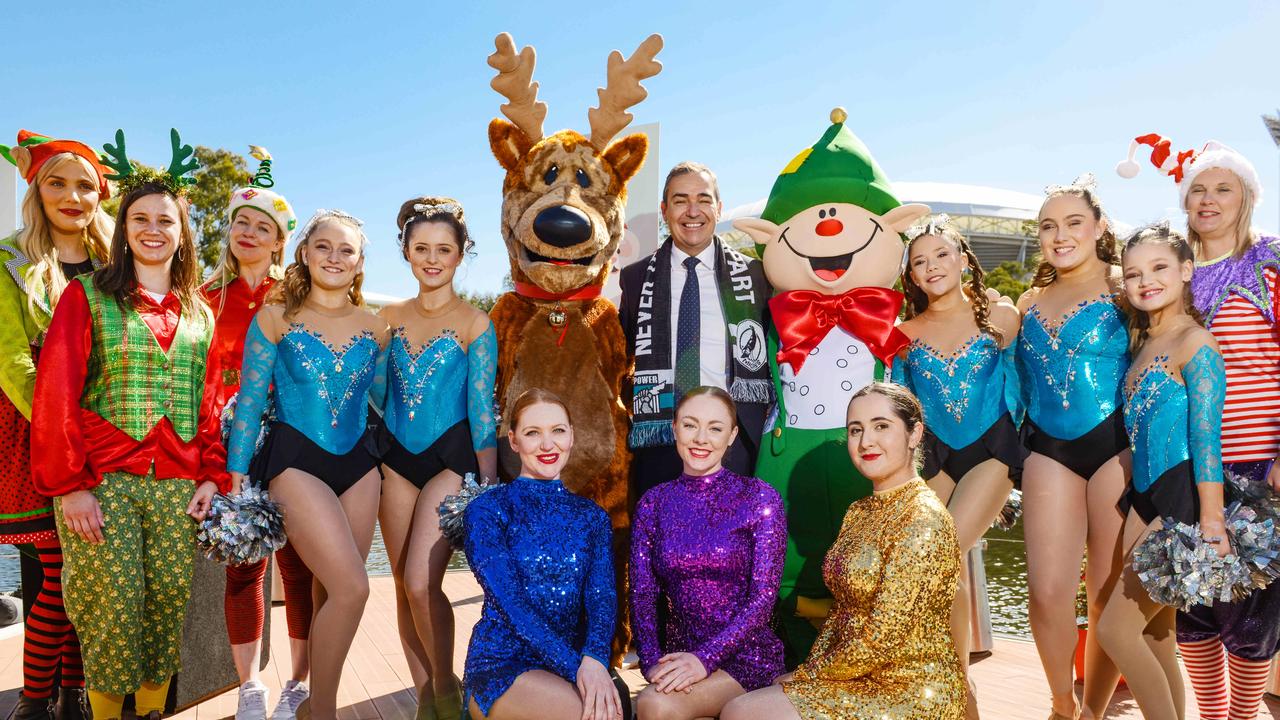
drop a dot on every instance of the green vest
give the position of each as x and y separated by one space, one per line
131 382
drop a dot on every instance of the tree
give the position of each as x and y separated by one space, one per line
1009 278
221 171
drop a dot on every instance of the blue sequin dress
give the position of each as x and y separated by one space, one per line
970 401
543 557
439 407
1177 441
1072 375
321 397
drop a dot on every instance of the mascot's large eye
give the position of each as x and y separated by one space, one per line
582 178
551 175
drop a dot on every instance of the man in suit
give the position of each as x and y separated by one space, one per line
694 313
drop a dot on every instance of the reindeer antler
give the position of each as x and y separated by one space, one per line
515 83
183 160
623 90
116 158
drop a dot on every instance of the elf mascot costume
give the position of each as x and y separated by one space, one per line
830 240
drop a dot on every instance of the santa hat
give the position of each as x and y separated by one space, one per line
34 150
259 197
1184 166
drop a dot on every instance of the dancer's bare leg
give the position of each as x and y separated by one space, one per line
1102 574
1055 526
704 699
974 505
1134 631
428 552
395 517
769 702
332 536
535 695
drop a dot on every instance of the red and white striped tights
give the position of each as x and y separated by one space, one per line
1208 672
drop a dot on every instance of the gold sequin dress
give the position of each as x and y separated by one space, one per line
885 651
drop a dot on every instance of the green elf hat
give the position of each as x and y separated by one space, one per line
259 196
838 168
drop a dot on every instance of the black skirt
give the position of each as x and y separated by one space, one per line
287 447
451 451
1085 454
1172 495
1001 441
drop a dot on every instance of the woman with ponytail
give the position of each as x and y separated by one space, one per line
958 363
322 352
261 221
1073 352
64 233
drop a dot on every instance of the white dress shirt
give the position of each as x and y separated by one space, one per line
712 334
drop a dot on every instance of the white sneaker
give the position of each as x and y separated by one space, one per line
293 695
253 701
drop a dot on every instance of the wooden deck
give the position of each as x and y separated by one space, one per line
1010 683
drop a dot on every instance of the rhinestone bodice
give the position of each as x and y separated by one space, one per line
1072 371
433 386
320 390
962 391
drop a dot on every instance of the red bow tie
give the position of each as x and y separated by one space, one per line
804 317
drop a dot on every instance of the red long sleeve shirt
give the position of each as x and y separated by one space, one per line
71 447
234 304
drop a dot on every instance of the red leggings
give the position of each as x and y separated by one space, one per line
243 601
49 643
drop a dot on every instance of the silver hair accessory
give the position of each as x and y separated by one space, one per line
1084 183
322 214
933 226
437 208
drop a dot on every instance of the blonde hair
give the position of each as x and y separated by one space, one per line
1245 235
34 239
228 267
292 290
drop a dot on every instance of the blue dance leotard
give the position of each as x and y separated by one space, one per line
320 391
1174 430
1072 372
963 393
435 386
542 556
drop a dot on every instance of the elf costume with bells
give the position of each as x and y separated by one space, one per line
830 240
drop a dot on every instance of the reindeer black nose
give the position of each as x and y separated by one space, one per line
562 226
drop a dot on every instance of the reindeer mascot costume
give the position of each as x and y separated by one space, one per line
563 208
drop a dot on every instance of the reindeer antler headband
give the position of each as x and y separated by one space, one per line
129 176
622 90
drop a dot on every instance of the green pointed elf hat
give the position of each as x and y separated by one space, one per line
838 168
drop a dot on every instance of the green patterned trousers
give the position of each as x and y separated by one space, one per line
127 596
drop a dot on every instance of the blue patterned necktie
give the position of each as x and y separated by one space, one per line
688 330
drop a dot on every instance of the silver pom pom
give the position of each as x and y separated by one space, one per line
1011 511
242 528
453 508
228 418
1177 567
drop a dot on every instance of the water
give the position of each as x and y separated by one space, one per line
1005 560
1006 563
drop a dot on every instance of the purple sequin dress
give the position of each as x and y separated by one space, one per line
711 549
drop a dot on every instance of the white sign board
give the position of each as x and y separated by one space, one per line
643 191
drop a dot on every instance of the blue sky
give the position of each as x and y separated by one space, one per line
364 105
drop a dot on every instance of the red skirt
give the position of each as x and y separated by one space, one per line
25 515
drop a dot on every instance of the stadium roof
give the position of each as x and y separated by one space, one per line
951 198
